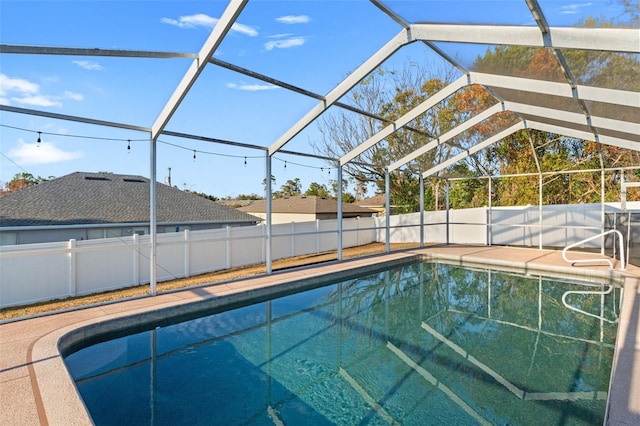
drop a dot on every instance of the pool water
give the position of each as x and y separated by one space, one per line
423 343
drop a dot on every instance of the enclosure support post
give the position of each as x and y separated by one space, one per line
602 215
421 211
387 211
267 186
339 212
153 231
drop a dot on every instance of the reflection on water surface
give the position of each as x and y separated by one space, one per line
426 343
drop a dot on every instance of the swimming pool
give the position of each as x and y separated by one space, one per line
420 343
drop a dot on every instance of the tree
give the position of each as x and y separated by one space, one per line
316 189
203 195
515 154
346 197
291 188
251 196
391 94
21 181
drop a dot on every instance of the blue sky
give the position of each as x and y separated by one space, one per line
311 44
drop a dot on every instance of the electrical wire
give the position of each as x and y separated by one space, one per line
191 150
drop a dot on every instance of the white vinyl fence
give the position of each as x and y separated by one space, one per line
39 272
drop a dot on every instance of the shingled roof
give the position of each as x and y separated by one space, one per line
306 205
94 198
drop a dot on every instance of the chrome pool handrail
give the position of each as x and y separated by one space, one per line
621 243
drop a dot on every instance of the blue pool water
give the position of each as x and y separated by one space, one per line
422 344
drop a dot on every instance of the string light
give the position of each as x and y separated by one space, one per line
39 140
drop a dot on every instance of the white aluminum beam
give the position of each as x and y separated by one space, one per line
448 135
587 93
223 26
605 39
341 89
585 136
406 119
544 127
27 111
478 147
596 94
83 51
572 117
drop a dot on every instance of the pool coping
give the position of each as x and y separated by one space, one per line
35 384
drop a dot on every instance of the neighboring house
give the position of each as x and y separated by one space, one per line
100 205
304 209
377 203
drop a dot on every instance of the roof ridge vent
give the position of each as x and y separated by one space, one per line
97 178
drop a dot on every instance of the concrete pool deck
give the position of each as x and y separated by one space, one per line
35 388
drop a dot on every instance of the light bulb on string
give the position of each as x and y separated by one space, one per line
128 146
194 155
285 164
39 139
245 161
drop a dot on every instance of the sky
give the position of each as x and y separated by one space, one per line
311 44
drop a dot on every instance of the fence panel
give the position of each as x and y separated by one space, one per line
94 274
34 273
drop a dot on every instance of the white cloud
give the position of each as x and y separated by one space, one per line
22 86
202 20
284 43
75 96
252 87
29 154
24 92
89 65
245 29
572 9
291 19
36 100
280 35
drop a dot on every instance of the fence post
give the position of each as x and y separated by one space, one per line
136 260
228 247
541 213
292 247
187 253
489 219
447 208
73 287
317 236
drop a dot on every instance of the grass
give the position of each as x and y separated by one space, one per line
207 278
